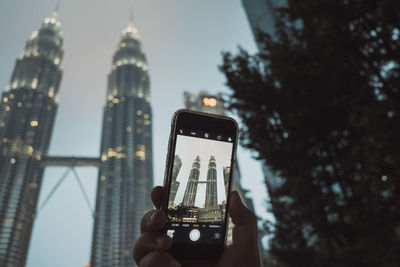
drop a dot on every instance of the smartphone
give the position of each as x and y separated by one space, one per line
198 178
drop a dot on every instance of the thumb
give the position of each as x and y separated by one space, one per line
245 231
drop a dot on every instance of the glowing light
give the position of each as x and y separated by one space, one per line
34 123
15 84
116 100
146 116
123 44
51 91
56 61
34 83
211 102
36 54
11 96
139 112
129 129
34 34
7 108
19 104
5 99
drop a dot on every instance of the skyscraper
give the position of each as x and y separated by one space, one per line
189 197
27 113
211 190
262 15
174 182
226 171
126 169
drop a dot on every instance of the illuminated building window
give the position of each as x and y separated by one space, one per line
51 92
5 99
36 54
147 122
12 161
129 129
103 157
123 44
2 124
11 96
34 123
19 104
56 61
102 178
139 112
141 152
15 84
146 116
34 83
116 100
7 108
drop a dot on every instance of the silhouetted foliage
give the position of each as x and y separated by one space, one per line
321 106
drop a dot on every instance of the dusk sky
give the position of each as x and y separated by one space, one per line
183 41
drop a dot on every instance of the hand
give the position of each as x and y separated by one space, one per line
151 247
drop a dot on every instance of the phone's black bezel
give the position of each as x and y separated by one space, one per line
187 119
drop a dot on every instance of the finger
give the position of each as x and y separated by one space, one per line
152 221
149 242
239 213
158 259
245 232
157 196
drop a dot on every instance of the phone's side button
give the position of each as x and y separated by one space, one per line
166 159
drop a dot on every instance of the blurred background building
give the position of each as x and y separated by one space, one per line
27 112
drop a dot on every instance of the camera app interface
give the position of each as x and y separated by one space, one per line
199 187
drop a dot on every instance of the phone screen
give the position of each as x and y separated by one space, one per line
197 198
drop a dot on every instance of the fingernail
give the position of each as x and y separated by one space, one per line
174 264
153 215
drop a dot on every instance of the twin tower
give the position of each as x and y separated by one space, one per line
189 197
28 109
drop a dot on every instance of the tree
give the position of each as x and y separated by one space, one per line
320 104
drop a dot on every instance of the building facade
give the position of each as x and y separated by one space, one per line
189 197
27 112
126 169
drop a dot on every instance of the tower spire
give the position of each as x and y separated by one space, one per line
57 9
131 15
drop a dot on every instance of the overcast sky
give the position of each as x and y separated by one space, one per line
188 148
182 40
